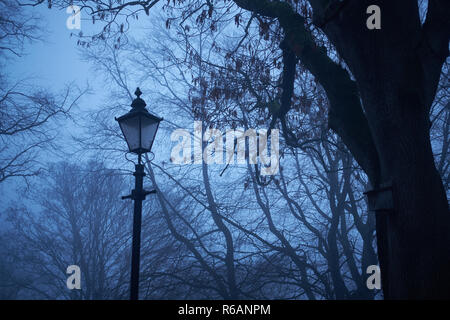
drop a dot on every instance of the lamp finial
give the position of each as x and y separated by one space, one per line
138 103
138 92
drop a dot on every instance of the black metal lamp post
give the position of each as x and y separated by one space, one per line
139 129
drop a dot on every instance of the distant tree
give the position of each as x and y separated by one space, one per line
29 113
9 277
76 217
440 128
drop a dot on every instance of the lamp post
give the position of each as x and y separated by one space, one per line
139 129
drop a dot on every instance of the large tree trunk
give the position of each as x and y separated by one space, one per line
396 85
413 239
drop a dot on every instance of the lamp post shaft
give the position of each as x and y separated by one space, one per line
138 196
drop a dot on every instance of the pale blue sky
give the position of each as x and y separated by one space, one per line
55 61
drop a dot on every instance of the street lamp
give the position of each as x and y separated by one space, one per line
139 129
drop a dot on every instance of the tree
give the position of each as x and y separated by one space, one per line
77 218
29 114
383 118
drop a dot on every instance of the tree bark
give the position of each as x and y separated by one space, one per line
395 84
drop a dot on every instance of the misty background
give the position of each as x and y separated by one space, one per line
212 231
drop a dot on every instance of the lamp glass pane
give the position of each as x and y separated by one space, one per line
149 127
130 129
